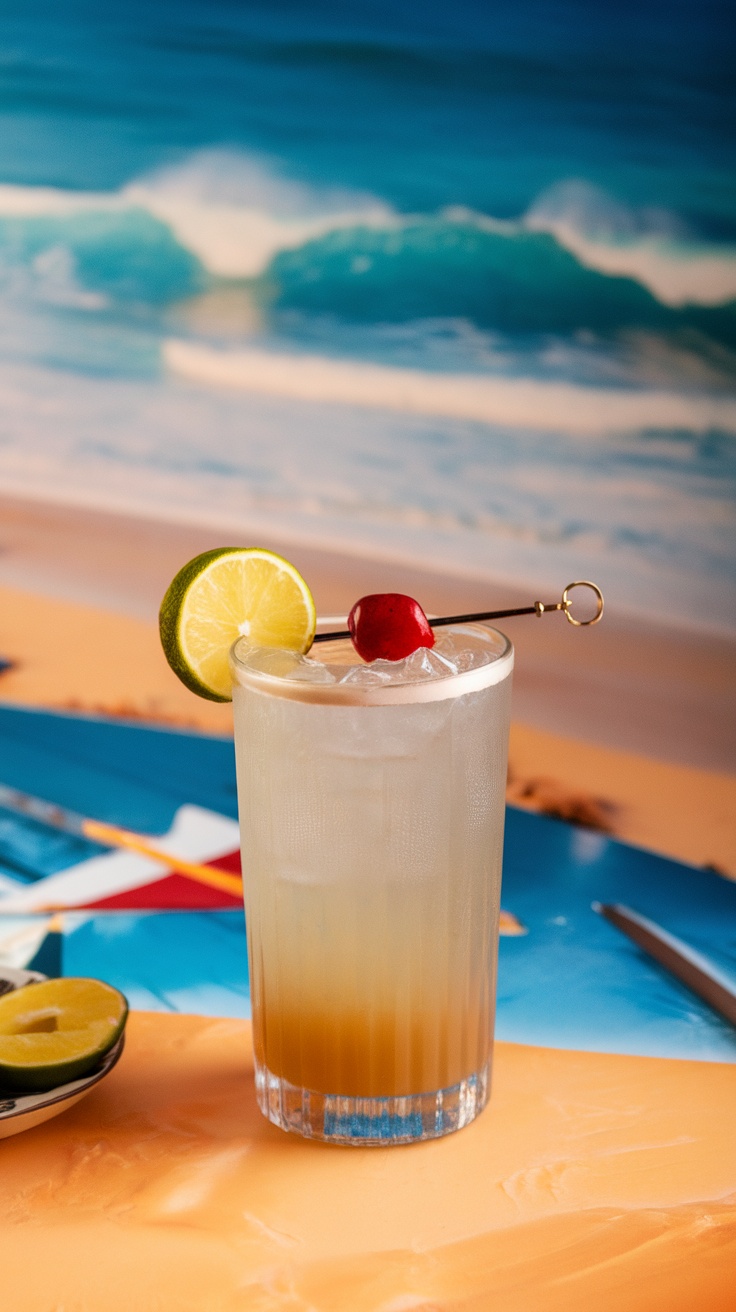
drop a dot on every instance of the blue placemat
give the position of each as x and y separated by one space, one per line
571 981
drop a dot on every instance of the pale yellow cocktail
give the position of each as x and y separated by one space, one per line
371 803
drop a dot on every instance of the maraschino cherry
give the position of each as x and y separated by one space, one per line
388 626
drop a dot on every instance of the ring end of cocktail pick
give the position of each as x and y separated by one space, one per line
566 603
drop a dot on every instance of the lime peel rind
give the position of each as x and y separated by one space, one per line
170 621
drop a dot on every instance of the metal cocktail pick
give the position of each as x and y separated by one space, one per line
538 608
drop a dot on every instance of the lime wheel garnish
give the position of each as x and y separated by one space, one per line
225 594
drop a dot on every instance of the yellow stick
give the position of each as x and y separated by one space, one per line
111 836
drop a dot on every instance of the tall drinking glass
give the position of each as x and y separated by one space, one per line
371 803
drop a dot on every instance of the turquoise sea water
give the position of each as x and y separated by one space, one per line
454 283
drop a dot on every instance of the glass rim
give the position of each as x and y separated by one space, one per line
347 694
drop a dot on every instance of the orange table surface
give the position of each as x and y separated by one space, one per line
590 1182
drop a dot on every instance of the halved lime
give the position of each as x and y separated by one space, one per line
225 594
56 1031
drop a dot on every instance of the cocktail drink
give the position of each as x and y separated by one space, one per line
371 782
371 801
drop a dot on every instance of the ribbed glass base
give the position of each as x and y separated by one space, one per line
335 1118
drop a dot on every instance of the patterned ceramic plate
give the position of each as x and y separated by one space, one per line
23 1111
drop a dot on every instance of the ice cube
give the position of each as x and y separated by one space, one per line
312 671
270 660
463 651
284 664
363 676
426 663
421 665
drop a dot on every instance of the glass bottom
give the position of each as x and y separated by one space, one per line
335 1118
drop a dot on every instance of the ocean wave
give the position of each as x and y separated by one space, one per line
649 244
497 276
90 252
509 402
575 261
229 210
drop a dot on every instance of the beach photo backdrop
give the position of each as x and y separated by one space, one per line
433 297
443 283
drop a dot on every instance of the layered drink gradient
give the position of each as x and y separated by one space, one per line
371 803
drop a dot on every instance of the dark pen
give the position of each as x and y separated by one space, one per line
690 967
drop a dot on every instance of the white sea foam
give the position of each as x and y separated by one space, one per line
513 402
235 214
51 202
